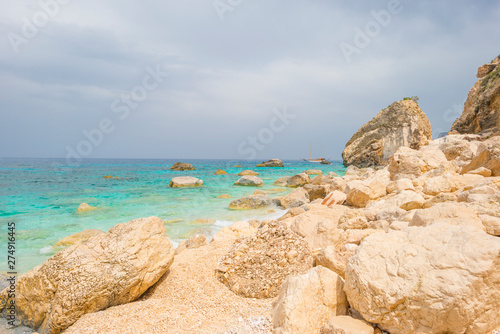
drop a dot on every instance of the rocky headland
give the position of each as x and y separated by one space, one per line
410 246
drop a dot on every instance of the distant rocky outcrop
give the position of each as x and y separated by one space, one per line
403 123
182 166
108 269
482 108
271 163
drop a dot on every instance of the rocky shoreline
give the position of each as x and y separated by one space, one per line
407 241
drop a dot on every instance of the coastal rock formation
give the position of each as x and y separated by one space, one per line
182 166
482 108
271 163
360 192
307 301
224 196
449 281
185 181
402 124
248 180
346 325
250 202
77 238
256 266
248 172
296 198
84 207
107 270
220 172
298 180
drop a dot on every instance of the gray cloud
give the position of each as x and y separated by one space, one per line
226 77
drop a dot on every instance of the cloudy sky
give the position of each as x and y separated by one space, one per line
228 78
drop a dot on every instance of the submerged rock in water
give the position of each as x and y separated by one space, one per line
250 202
402 124
84 207
108 269
248 172
220 172
182 166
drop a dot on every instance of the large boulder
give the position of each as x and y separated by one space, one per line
411 164
256 266
316 191
306 302
250 202
249 180
182 166
298 180
436 279
487 157
447 212
107 270
402 124
482 108
359 192
185 181
344 324
271 163
296 198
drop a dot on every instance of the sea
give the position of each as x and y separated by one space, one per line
41 197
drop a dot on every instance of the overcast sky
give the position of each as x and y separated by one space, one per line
231 78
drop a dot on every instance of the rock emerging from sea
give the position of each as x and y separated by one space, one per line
271 163
182 166
403 123
108 269
185 181
257 266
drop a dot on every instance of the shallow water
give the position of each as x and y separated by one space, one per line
42 195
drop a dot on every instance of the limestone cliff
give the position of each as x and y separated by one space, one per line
482 108
403 123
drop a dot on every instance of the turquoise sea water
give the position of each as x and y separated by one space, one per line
42 196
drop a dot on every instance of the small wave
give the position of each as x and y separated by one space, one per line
46 250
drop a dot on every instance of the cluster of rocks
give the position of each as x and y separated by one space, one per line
271 163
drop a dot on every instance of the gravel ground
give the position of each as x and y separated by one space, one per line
188 299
